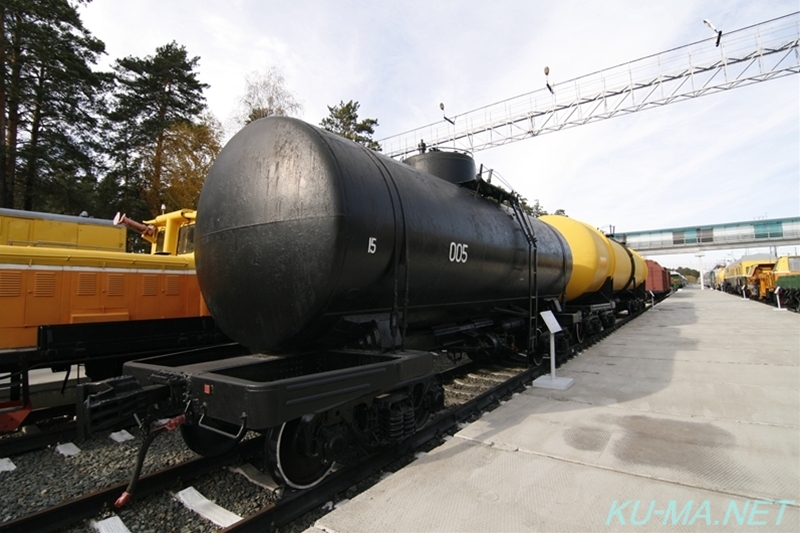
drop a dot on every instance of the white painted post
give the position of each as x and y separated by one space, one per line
778 299
702 281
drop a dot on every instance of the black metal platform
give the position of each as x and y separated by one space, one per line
270 390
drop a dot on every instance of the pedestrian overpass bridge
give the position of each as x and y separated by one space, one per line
697 239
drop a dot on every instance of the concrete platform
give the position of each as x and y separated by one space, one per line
686 419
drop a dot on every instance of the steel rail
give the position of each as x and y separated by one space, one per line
17 445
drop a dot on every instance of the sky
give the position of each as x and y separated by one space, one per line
728 157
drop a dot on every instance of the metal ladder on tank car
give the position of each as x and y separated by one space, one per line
533 263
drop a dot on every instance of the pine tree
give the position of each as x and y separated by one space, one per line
343 120
50 102
153 94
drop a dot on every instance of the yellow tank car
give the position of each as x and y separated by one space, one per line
592 256
630 270
597 260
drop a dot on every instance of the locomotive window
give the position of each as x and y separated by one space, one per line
186 239
160 241
794 264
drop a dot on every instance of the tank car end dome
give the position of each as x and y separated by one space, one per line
266 231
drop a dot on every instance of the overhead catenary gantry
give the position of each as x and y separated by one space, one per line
753 54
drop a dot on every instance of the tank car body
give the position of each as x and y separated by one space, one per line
599 264
323 230
341 270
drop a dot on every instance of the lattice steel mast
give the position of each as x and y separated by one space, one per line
762 52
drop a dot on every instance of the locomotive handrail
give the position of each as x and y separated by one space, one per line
533 264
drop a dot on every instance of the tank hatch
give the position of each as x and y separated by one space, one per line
454 167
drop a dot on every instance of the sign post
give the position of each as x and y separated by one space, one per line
551 381
778 299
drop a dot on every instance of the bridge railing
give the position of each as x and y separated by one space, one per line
749 55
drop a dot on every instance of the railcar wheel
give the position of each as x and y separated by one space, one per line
209 443
286 458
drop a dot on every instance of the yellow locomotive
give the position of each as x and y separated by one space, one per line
70 294
738 273
46 230
781 276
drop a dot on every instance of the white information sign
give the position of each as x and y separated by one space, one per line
552 381
551 322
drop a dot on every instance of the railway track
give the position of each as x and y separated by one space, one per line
44 428
470 389
87 506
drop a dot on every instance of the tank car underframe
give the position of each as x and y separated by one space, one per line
315 408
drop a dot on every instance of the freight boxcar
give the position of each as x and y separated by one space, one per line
658 281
